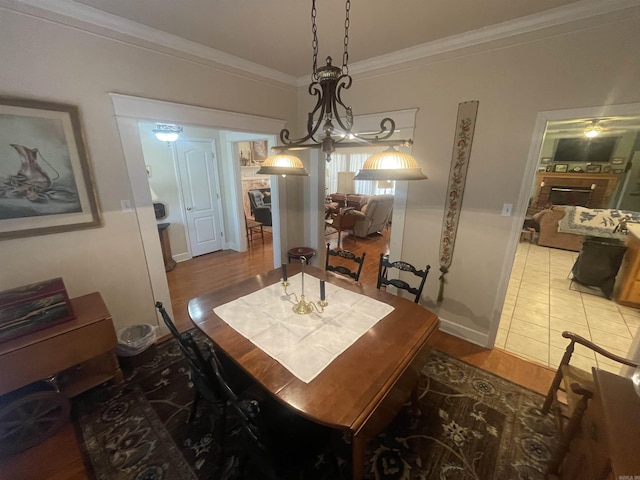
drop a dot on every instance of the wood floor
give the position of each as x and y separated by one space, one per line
59 457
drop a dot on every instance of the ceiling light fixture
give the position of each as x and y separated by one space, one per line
593 130
327 84
166 132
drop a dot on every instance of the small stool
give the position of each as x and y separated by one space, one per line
297 252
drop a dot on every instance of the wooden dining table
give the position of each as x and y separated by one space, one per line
362 389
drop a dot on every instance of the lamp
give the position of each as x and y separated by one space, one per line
593 130
390 165
283 164
327 84
166 132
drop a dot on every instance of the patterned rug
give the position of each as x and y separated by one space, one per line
474 425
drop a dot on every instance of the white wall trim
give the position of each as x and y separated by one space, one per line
88 19
129 111
465 333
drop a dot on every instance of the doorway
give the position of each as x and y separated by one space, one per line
129 111
539 301
199 185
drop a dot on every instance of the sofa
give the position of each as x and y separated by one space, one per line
353 200
260 202
549 235
567 226
374 216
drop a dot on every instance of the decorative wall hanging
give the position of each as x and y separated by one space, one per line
45 179
465 126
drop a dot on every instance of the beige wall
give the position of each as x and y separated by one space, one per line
596 66
43 60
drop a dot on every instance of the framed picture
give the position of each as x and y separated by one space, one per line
617 170
259 152
606 169
617 161
545 160
561 168
593 168
46 184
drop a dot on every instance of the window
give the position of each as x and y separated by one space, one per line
353 162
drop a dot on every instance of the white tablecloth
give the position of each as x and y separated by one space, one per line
304 344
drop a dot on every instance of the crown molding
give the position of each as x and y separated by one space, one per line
73 14
82 17
558 16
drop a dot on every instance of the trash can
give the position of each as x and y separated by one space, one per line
136 345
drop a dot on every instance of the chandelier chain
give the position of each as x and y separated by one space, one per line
345 55
314 43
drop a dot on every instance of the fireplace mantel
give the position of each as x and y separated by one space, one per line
603 186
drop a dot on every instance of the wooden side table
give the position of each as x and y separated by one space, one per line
298 252
169 262
54 364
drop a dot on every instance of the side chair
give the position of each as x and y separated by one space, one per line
345 220
568 397
347 255
253 226
383 275
202 374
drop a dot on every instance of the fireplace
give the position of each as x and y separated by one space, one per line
570 195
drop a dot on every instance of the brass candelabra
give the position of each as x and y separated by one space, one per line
301 306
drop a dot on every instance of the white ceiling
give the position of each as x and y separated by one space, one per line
276 34
272 38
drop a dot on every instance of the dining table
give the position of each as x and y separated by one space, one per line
362 388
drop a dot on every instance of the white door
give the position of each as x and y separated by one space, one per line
200 190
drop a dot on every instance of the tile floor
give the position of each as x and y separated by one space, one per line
542 302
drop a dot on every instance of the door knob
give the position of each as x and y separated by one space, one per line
188 208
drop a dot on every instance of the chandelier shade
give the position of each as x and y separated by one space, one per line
282 164
330 123
390 165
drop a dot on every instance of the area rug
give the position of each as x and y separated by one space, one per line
473 425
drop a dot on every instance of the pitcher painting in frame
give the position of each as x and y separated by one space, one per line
45 177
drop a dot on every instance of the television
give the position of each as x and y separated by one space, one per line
584 150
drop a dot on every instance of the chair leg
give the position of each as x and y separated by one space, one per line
194 407
567 436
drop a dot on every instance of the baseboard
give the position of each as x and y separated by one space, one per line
181 257
465 333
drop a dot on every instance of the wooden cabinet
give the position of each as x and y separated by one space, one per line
606 446
627 288
80 353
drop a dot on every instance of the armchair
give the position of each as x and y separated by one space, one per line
260 210
374 216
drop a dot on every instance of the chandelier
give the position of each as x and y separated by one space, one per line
330 126
593 130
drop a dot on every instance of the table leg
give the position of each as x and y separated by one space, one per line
358 447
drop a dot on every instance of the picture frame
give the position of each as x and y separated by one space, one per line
46 184
617 170
259 151
561 168
606 169
545 160
617 161
593 169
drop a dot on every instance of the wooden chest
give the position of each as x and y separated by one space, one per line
33 307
